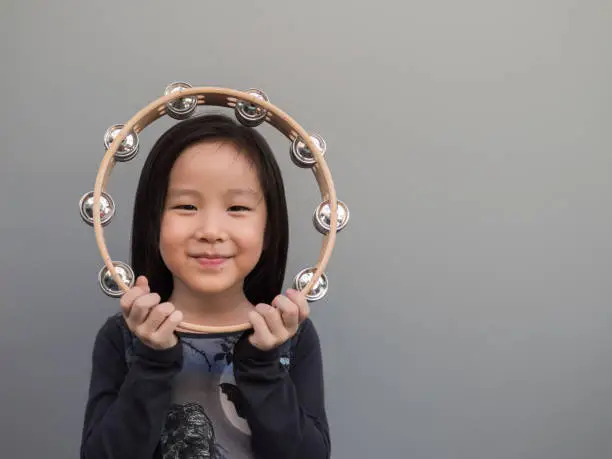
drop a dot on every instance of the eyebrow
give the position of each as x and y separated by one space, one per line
239 191
175 192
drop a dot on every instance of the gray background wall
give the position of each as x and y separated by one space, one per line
469 313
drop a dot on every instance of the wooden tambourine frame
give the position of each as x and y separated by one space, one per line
220 97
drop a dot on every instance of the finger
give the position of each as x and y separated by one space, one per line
156 317
273 319
262 337
141 287
289 311
127 300
141 308
303 306
168 326
142 282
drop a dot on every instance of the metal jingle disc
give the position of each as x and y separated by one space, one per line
181 108
107 208
108 284
128 148
322 217
249 114
318 290
301 154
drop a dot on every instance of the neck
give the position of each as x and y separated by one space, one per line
220 309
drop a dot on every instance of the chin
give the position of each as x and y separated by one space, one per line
211 284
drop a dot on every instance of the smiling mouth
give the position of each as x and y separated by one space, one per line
211 261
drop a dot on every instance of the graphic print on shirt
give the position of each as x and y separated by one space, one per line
189 433
232 402
206 418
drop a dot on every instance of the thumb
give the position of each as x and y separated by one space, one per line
142 282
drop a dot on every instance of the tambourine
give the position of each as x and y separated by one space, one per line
252 108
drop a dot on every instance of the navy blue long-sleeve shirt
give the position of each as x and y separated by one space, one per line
211 395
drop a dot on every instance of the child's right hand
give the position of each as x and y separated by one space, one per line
153 323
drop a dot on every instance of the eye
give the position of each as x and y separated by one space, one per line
239 208
185 207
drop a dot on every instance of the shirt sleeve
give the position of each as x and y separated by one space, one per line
126 407
285 409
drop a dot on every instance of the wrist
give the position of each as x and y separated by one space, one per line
172 342
168 354
245 349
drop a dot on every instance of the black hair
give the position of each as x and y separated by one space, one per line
265 281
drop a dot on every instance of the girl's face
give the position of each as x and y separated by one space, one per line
213 222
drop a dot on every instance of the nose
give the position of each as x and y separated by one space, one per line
210 229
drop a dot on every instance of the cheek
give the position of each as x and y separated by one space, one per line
171 235
252 236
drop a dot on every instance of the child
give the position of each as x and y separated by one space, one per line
209 245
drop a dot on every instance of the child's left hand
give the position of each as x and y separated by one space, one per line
273 325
